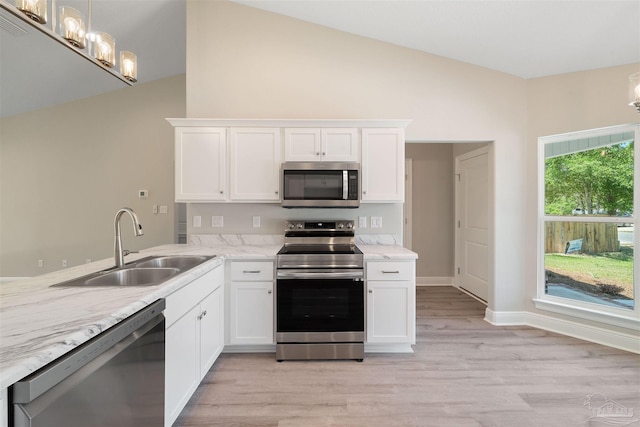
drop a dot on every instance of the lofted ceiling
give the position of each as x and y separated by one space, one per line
525 38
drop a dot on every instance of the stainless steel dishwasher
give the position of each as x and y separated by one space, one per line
115 379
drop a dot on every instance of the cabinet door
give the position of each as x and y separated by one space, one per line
391 312
302 145
251 313
383 165
211 329
255 157
182 365
200 164
340 145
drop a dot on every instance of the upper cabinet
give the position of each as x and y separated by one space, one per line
237 160
382 165
254 164
201 164
321 145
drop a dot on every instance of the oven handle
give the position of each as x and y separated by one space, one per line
320 274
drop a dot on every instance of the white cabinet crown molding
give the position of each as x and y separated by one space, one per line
337 123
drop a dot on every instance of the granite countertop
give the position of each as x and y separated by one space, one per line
39 323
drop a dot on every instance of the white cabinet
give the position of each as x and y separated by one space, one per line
194 338
254 164
251 303
391 302
4 410
200 164
321 144
382 165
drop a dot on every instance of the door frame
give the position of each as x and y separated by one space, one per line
407 207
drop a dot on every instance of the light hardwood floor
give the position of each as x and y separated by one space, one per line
464 372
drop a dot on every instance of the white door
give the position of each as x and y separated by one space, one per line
472 222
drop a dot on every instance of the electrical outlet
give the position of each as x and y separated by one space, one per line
362 222
376 222
217 221
40 263
64 263
164 209
256 222
197 221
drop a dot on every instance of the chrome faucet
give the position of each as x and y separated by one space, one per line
137 229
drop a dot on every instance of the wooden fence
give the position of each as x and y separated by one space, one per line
596 237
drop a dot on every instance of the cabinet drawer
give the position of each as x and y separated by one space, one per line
182 300
251 271
398 270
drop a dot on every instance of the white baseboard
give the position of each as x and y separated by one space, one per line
11 279
627 342
434 281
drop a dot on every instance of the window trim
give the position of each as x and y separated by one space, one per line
622 317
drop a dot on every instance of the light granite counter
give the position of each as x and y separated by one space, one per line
39 323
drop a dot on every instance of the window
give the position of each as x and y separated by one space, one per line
587 218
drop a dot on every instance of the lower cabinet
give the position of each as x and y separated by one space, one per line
391 302
194 338
251 303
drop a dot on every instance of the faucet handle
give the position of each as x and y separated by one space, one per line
126 252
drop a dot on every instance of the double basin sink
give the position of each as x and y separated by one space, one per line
149 271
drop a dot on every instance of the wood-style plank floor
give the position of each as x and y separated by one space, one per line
464 372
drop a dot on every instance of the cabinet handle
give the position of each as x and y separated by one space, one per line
204 313
250 271
324 154
317 154
276 192
370 291
364 191
221 192
269 291
390 272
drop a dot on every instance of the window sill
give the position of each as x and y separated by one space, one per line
592 314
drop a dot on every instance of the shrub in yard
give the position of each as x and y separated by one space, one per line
609 289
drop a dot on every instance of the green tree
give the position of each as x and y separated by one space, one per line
596 180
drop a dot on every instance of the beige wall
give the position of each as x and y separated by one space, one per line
247 63
432 208
66 170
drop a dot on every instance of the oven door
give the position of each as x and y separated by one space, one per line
319 306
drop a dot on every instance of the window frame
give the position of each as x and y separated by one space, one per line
623 317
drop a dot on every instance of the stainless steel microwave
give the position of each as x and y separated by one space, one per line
320 185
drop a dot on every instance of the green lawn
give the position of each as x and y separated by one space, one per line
613 268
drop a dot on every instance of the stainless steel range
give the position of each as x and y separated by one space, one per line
320 292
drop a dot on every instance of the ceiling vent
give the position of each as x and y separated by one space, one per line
11 28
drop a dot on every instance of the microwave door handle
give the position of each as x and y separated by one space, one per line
345 185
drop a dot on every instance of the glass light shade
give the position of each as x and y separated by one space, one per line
129 65
34 9
104 49
634 91
71 26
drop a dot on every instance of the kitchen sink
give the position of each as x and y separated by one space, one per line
148 271
181 262
132 277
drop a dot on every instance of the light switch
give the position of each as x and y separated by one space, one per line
362 222
376 222
163 209
197 221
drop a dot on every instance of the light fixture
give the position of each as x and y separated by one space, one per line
34 9
71 26
129 65
104 49
634 90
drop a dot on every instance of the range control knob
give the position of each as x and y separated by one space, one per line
340 226
349 226
291 226
299 225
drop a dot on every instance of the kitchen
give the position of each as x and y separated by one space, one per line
430 95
